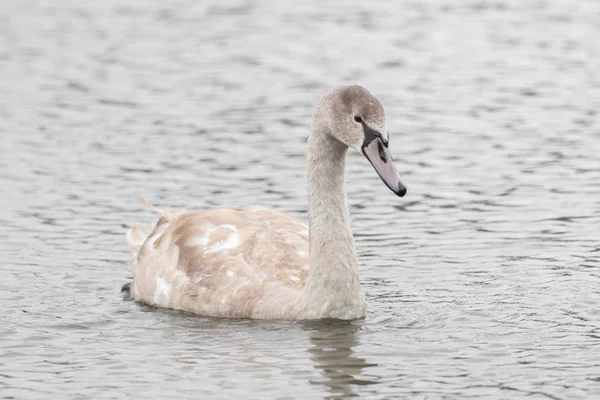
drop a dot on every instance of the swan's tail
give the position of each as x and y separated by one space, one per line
137 235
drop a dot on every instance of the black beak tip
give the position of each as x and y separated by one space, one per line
401 191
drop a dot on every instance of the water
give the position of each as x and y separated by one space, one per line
482 283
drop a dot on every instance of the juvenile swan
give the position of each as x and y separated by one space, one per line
257 263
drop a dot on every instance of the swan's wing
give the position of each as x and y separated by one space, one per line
221 262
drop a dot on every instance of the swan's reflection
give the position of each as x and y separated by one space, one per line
331 350
331 347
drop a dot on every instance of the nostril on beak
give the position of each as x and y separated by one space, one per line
381 152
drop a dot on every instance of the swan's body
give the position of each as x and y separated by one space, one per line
221 262
259 263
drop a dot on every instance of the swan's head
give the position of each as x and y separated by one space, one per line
358 121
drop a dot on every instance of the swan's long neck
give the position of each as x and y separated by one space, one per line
333 287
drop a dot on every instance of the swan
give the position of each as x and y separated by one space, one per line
252 262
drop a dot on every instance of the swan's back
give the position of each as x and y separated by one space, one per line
226 262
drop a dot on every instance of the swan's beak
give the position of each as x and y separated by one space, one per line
378 154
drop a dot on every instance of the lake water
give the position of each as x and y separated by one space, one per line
483 282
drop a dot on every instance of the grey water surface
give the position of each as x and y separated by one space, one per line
483 282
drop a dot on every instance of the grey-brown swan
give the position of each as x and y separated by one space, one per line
251 262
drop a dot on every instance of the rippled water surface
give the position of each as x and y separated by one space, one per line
482 283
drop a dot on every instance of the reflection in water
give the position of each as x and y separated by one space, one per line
333 355
270 351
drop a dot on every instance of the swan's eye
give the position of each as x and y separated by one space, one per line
357 118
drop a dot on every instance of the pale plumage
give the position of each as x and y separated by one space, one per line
257 263
219 262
